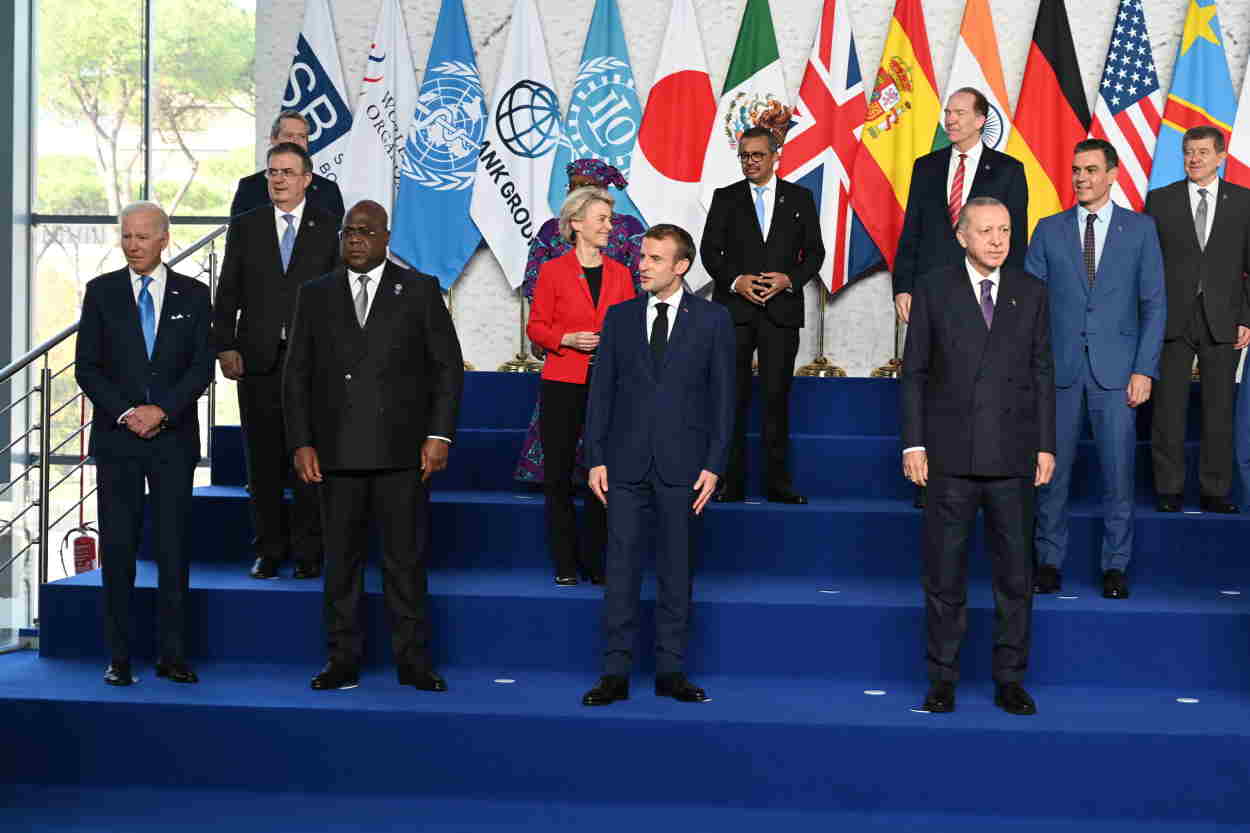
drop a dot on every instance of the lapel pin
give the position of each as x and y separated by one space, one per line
398 289
1013 302
173 292
781 199
312 223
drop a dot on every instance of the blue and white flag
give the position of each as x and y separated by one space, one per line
314 86
604 113
431 230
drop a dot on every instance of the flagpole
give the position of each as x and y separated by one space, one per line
821 367
522 362
892 368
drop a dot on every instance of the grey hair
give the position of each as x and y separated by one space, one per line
976 202
576 203
140 207
286 114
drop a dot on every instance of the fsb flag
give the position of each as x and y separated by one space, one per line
314 86
432 231
604 113
514 163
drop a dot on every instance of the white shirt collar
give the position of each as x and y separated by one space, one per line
973 154
976 277
375 276
1212 191
298 211
157 275
1103 214
673 301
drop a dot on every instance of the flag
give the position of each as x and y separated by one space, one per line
388 94
431 230
1128 110
314 86
1237 169
898 127
754 96
668 159
604 113
820 148
978 65
1051 114
514 164
1201 93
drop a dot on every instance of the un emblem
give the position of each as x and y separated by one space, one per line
442 144
603 116
528 119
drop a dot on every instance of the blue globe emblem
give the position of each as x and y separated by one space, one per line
603 119
449 124
528 119
992 132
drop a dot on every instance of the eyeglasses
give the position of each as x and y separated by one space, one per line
282 173
753 156
358 231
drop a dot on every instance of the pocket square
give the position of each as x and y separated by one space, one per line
179 315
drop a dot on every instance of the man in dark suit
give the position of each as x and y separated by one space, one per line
269 254
978 398
761 245
1104 272
253 190
143 358
946 179
657 437
371 391
1204 231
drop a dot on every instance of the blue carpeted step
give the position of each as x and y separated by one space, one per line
780 743
743 625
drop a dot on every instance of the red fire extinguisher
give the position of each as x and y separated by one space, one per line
86 548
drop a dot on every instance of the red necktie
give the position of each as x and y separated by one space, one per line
957 191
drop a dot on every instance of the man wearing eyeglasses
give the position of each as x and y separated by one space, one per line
269 254
761 245
253 190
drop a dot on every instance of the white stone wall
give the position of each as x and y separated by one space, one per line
859 323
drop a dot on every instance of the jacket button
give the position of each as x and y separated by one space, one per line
347 376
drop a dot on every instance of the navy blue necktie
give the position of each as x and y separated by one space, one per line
147 315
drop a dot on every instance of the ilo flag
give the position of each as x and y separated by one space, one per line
898 128
1238 165
431 230
821 146
754 96
978 65
668 159
314 86
388 93
604 112
1202 92
514 164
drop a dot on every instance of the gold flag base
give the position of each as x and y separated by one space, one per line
889 370
469 366
821 368
521 363
1195 376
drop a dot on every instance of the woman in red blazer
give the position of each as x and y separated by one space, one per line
573 293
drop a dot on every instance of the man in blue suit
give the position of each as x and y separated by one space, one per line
143 358
1104 269
658 428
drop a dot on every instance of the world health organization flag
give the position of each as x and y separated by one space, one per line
314 86
431 230
604 113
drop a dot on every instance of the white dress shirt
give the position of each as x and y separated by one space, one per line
970 170
1213 191
157 290
297 212
674 303
770 200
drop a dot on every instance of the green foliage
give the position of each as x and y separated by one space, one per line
70 185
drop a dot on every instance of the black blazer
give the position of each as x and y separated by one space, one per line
112 366
367 399
253 192
981 402
733 245
928 238
255 299
1220 267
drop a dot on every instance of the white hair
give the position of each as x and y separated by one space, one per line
140 207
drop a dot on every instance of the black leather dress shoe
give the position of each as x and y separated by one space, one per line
264 568
118 673
729 496
303 570
920 498
609 689
787 497
1168 503
1013 699
1047 580
176 671
335 677
1114 585
941 698
679 688
422 679
566 581
1219 505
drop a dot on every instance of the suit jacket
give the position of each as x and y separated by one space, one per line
253 288
980 400
733 245
253 192
1219 267
562 304
1122 318
928 238
368 398
680 418
113 369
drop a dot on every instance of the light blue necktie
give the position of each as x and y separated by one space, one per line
759 208
147 315
287 245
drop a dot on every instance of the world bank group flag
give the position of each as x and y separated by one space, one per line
604 113
314 86
431 230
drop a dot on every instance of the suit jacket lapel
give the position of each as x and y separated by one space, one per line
679 330
1006 312
968 311
748 195
126 301
172 302
1110 250
1222 218
1075 247
306 222
640 327
385 302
